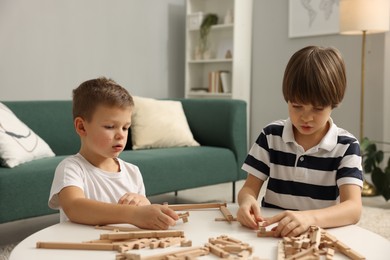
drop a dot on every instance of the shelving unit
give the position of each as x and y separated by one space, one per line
234 35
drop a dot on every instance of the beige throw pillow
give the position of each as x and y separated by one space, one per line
159 123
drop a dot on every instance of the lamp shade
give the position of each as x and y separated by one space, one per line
371 16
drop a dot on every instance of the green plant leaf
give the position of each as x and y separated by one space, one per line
379 156
378 179
364 143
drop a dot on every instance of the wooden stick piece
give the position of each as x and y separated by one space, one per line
143 234
75 246
224 219
114 228
226 213
179 207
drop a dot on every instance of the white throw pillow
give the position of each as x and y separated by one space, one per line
18 143
159 123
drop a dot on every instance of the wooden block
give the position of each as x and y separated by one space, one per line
142 234
179 207
217 251
329 253
184 252
170 241
184 216
75 246
301 254
117 228
234 240
297 244
281 254
224 219
270 233
220 241
185 243
315 236
226 213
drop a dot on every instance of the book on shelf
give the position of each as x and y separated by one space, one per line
226 81
220 82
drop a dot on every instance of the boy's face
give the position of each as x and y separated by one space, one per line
106 133
309 121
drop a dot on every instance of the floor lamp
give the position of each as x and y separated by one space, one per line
362 17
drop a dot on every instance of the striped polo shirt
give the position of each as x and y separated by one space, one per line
303 180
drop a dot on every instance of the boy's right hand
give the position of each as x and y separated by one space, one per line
249 215
154 217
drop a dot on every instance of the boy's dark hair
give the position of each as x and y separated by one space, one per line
315 75
100 91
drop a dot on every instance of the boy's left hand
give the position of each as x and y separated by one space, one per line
133 199
291 223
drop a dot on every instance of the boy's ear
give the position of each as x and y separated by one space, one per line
79 126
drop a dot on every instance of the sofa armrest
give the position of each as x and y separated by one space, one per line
221 123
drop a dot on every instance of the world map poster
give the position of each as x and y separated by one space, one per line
313 17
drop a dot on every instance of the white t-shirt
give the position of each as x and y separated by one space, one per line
96 183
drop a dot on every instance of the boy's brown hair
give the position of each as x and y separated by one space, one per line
100 91
315 75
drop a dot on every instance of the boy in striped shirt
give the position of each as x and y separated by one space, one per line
312 166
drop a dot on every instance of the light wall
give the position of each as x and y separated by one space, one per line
48 47
271 51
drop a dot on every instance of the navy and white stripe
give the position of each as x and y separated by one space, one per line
302 180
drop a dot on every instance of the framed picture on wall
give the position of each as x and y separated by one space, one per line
313 17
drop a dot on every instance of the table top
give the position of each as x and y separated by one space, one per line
200 227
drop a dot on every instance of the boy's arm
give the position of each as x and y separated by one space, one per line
348 211
249 212
85 211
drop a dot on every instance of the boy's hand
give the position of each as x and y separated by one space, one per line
291 223
154 217
249 214
133 199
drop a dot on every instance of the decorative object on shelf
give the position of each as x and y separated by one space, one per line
208 21
361 17
228 54
228 19
194 20
372 164
198 54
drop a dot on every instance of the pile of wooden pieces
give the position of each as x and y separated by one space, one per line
312 245
222 247
228 247
123 241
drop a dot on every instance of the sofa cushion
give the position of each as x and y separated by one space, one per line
18 143
166 169
159 124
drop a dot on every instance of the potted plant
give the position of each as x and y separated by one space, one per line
208 21
372 163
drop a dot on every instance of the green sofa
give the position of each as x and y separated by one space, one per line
220 126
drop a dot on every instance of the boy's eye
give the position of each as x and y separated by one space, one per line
125 128
108 126
318 108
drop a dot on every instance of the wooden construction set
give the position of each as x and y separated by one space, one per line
313 244
316 242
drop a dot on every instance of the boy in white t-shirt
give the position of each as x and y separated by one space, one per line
95 187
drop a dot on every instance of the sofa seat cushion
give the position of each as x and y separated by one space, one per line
23 182
168 169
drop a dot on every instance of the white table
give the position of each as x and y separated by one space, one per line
200 227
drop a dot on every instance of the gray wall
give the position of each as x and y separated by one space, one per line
48 47
271 51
